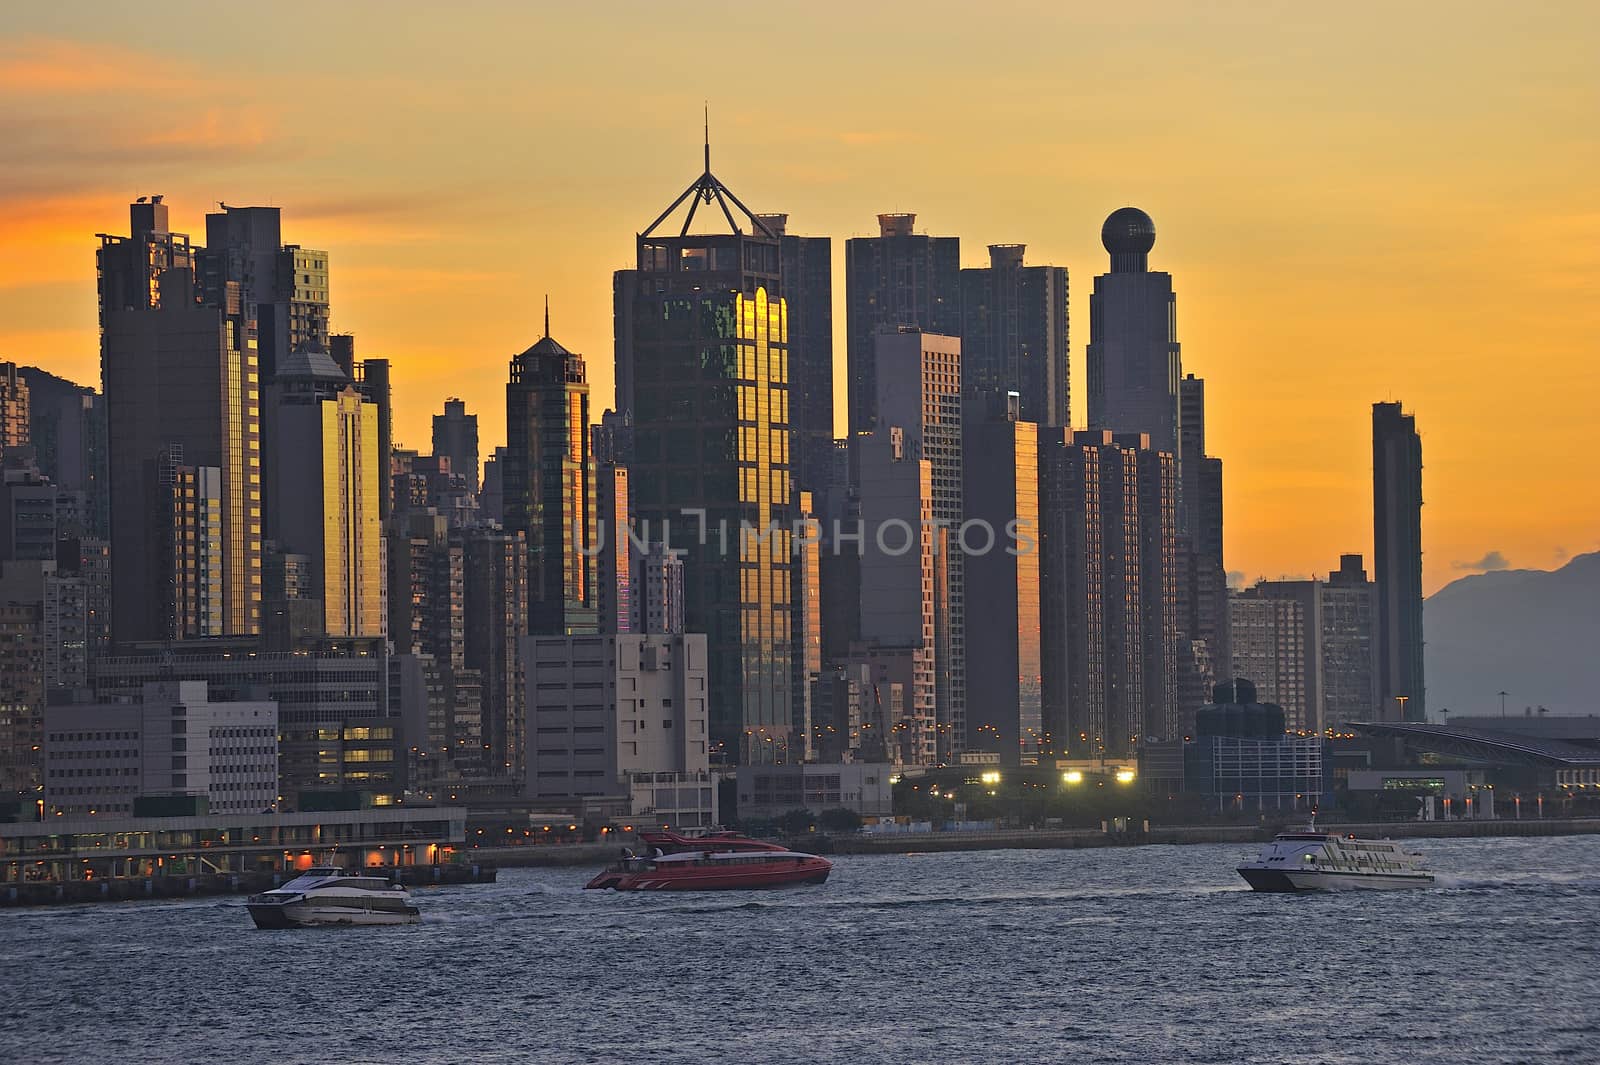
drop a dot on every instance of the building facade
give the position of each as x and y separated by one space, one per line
1014 334
1397 553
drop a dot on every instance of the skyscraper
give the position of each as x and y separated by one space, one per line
455 433
614 572
1349 646
1000 465
283 288
495 566
1206 599
179 379
1397 552
898 278
703 338
324 478
1014 334
808 294
919 391
1134 360
548 486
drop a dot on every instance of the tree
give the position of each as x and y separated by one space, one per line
840 820
796 822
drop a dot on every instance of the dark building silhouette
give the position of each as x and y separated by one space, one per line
1134 362
808 295
1204 597
455 433
283 288
495 591
1000 467
703 372
548 486
896 279
183 436
1397 553
1014 334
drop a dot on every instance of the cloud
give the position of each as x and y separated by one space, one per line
41 66
1492 561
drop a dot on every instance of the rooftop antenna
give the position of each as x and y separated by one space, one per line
707 105
547 314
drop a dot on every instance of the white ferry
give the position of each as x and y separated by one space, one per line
1312 860
331 895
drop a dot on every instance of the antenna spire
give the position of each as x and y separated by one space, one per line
708 135
547 314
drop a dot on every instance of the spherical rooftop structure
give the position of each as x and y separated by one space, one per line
1128 232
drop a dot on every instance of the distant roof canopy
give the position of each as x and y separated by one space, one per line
707 189
1490 745
308 365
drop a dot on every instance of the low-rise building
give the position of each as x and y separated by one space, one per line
176 743
620 718
1242 759
767 791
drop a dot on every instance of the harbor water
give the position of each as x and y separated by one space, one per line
1144 954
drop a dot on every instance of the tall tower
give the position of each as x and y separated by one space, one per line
548 486
181 390
1001 472
808 293
919 391
899 278
702 333
324 477
1134 362
282 288
1397 551
455 433
1014 334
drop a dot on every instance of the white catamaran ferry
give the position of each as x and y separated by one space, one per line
1312 860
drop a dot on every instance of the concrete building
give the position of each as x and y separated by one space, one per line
22 697
1349 638
1014 334
15 409
495 615
919 391
68 439
1397 551
322 481
548 486
657 589
614 566
282 289
770 791
622 721
900 598
35 514
711 443
1000 465
1108 605
337 730
898 279
1274 639
181 393
175 743
455 434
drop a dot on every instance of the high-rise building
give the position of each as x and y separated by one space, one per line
455 433
1134 358
68 437
491 494
1000 465
657 589
1014 334
614 568
806 596
323 479
1204 620
808 294
1108 594
372 380
282 288
22 698
548 485
898 279
495 568
919 390
898 623
1397 553
179 380
1274 643
1349 646
703 342
15 413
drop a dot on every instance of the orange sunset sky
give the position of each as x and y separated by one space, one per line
1357 202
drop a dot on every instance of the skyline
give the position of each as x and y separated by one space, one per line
1450 214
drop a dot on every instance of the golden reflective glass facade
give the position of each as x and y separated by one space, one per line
352 534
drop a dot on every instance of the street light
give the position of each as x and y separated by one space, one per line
1503 703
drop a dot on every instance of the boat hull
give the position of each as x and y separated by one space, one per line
1300 880
312 915
715 879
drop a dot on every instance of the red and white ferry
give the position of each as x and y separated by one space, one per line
720 861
